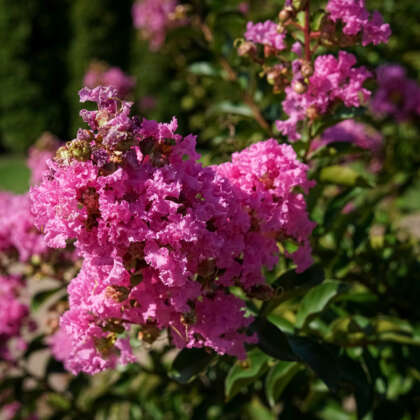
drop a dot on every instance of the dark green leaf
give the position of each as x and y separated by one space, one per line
343 175
203 69
278 378
292 284
272 341
227 107
35 345
245 373
41 297
317 299
188 363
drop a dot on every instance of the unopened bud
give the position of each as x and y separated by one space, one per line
63 155
312 113
281 28
188 318
79 149
117 293
136 279
307 69
149 333
247 49
105 345
299 87
269 51
102 117
147 145
284 15
206 268
272 77
261 292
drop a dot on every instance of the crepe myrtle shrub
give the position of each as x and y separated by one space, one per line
254 283
163 238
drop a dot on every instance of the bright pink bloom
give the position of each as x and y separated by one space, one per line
99 74
13 313
44 149
265 33
17 232
154 18
397 95
334 80
161 236
356 19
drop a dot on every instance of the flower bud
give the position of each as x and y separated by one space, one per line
114 325
262 292
284 15
269 51
149 333
281 28
102 117
273 77
117 293
247 49
79 150
105 345
299 87
63 155
307 69
312 113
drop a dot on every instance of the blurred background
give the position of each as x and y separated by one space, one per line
48 47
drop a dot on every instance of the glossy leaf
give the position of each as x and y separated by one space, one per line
343 175
246 372
292 284
188 363
278 378
41 297
317 299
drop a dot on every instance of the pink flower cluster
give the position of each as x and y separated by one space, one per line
357 19
11 411
100 74
361 135
17 231
334 80
397 95
265 33
154 18
162 237
44 149
13 315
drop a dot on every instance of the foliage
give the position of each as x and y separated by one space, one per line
340 340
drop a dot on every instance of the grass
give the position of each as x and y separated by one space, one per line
14 174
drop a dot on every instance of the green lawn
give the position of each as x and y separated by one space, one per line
14 174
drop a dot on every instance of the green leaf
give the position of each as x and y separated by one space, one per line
278 378
339 115
227 107
244 373
203 68
292 284
41 297
337 371
343 175
188 363
35 345
272 341
317 299
57 401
